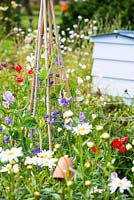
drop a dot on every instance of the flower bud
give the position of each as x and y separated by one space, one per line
128 146
36 194
87 183
90 144
93 116
105 136
132 169
59 130
99 128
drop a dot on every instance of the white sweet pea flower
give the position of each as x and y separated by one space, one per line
79 80
68 114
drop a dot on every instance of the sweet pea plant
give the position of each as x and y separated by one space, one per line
94 130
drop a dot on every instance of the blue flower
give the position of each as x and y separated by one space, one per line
63 102
51 75
1 129
6 139
70 99
5 104
39 79
8 120
46 116
8 97
36 150
50 83
54 114
52 122
81 117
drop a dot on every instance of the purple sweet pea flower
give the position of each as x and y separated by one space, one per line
51 75
46 116
70 99
0 116
39 79
1 129
6 139
8 97
52 122
36 150
54 114
6 104
63 102
81 117
50 83
59 113
57 60
8 120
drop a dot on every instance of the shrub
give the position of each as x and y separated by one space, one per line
104 10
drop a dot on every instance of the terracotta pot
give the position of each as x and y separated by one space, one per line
62 169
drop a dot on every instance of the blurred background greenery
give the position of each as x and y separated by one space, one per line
20 17
24 13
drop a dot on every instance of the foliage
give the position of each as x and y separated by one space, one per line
104 11
9 16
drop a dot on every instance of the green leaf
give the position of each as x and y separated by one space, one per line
30 122
13 106
59 88
28 142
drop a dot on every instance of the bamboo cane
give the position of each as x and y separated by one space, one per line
38 47
60 61
47 68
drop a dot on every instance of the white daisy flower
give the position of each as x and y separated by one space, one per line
11 154
116 182
45 154
82 129
10 168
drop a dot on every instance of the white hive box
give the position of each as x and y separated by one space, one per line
113 66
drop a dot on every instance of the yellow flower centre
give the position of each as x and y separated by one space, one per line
11 153
9 167
120 183
82 129
44 156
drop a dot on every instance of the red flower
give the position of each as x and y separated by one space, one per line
19 79
116 143
18 68
31 71
122 149
13 142
65 7
124 140
96 150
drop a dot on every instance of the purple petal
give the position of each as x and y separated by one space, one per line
113 176
8 120
6 139
36 150
8 97
5 104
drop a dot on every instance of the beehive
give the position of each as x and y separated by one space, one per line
113 66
